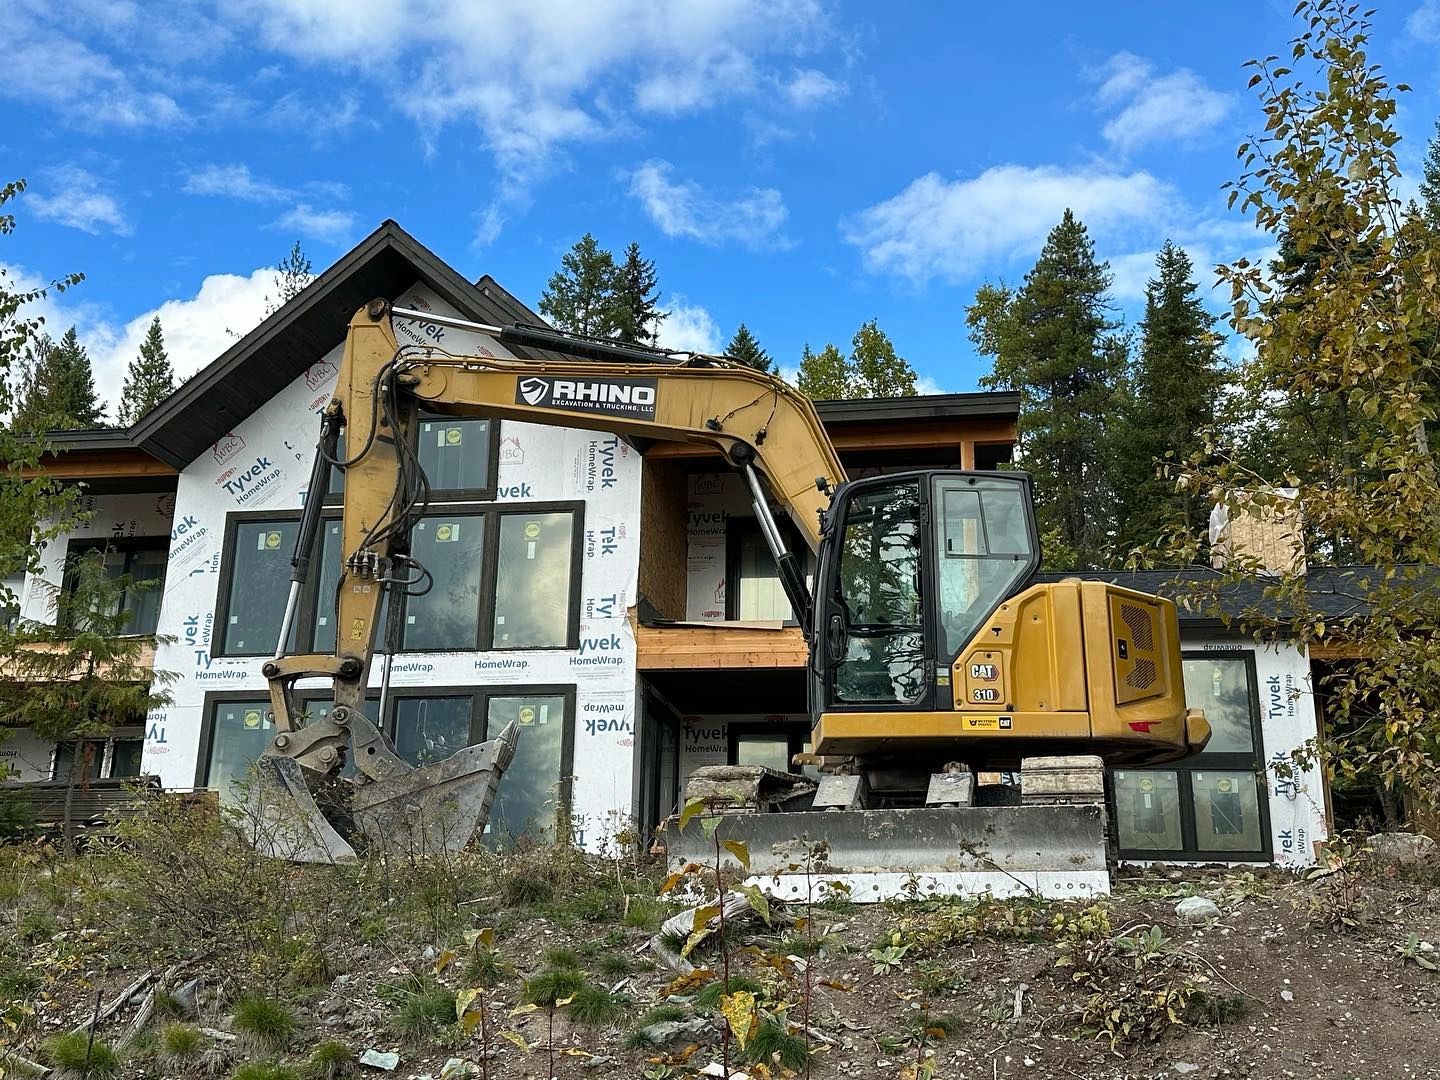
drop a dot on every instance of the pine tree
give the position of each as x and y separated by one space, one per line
150 379
293 274
31 411
876 371
61 388
580 296
637 315
83 673
1173 398
1430 184
747 350
824 376
73 388
1053 343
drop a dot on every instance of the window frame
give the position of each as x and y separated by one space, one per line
1253 763
489 571
492 471
795 733
80 546
486 493
740 528
207 727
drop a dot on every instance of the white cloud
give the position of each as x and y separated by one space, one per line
924 384
1424 22
1154 108
951 228
682 208
1208 242
810 88
689 328
71 196
330 226
196 328
233 181
45 65
535 75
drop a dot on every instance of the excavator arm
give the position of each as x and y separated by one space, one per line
765 429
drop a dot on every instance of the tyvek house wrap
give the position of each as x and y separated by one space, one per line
264 464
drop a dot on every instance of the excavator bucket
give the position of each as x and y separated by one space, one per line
874 855
433 809
439 807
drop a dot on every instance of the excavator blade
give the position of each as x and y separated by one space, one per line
438 807
286 822
1039 850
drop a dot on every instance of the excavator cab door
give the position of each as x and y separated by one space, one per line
911 568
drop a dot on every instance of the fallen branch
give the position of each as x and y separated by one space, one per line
9 1057
120 1001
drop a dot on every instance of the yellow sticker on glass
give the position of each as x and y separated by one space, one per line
527 715
445 534
272 540
532 530
452 436
1223 785
252 718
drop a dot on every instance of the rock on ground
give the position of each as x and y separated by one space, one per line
1194 910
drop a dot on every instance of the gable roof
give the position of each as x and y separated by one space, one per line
268 358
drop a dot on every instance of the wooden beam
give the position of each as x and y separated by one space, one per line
672 648
71 467
1320 650
883 436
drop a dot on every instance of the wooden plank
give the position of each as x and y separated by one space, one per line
668 648
81 466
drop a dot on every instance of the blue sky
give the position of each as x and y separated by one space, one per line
801 165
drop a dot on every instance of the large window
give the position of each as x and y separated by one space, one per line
116 755
427 726
500 578
752 580
140 560
255 583
1211 806
237 732
460 456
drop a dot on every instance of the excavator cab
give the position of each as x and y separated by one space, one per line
912 567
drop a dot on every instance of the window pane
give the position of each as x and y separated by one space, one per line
761 596
1227 811
1147 808
455 454
327 579
984 551
448 616
258 587
1222 688
532 580
65 757
241 731
147 570
431 729
771 751
530 790
126 758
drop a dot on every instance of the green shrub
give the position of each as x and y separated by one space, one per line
550 987
423 1012
665 1013
562 957
74 1053
770 1041
483 967
330 1060
527 888
1205 1009
33 927
593 1006
265 1022
644 913
614 964
181 1042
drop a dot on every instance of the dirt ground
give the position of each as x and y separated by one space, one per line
1310 977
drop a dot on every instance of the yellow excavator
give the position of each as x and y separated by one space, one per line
930 654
